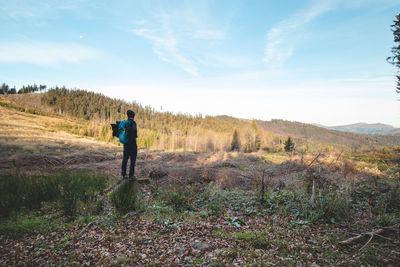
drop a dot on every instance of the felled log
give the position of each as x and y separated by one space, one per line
360 236
372 234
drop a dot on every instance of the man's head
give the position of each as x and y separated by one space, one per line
131 114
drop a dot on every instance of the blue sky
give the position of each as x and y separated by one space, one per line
310 61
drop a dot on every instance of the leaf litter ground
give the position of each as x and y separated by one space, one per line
249 234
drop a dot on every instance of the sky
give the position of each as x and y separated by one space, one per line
310 61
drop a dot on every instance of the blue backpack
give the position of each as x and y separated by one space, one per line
123 127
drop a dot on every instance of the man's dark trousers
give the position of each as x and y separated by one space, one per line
130 151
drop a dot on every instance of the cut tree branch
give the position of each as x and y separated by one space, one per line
378 233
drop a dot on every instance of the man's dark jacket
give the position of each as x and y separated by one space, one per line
132 135
130 151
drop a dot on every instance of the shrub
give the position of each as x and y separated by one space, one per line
389 200
213 199
381 196
328 206
333 206
179 198
126 198
215 206
276 199
386 220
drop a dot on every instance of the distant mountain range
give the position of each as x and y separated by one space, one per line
366 128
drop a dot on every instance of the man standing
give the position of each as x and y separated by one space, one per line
130 148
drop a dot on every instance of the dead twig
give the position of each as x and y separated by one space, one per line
319 154
359 237
67 161
384 237
371 234
366 244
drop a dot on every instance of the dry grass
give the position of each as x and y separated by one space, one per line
28 133
31 142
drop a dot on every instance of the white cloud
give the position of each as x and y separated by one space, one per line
282 37
44 53
181 36
165 44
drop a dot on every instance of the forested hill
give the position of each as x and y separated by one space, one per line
318 134
165 130
312 133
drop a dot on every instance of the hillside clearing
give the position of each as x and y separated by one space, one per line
201 209
24 133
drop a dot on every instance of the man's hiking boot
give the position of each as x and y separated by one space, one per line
132 178
124 177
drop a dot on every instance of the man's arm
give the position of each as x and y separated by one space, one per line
132 133
134 127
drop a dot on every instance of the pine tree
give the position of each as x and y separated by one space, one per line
4 89
395 59
289 144
256 136
235 144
